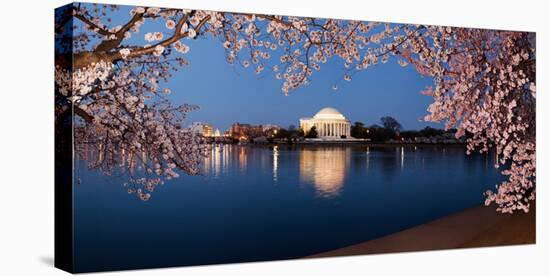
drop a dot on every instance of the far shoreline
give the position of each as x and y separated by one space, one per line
335 143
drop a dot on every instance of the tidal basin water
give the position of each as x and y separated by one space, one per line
256 203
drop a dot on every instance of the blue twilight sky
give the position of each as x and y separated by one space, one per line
229 93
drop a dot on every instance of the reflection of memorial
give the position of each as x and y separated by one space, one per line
325 168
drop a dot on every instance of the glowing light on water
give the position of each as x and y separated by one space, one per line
275 162
214 161
325 169
368 156
242 159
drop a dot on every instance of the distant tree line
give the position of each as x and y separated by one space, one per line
290 134
388 129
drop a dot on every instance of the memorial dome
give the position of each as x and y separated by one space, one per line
329 113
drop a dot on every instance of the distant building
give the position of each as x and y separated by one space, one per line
201 128
329 123
245 131
270 127
217 133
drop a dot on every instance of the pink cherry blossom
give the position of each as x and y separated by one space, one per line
170 24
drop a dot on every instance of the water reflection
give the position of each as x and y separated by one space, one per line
325 168
402 157
242 159
355 192
275 162
214 161
368 157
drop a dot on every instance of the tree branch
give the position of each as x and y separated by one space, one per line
84 59
93 25
83 114
167 42
107 45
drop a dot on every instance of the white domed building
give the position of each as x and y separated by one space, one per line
329 123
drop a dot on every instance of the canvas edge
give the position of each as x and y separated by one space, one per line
64 173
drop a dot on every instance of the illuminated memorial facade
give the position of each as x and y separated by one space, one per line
329 123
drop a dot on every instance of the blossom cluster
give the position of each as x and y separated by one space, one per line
77 84
484 86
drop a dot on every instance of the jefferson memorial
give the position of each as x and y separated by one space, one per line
329 123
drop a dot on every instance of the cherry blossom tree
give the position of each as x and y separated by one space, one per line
485 85
121 108
484 80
